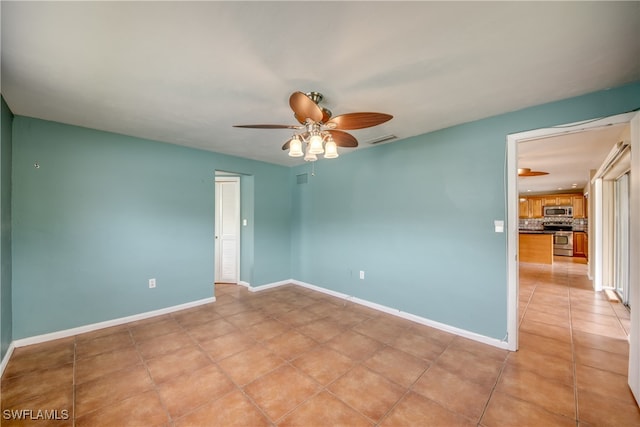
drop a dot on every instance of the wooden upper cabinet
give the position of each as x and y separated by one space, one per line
565 200
532 207
535 207
523 207
578 204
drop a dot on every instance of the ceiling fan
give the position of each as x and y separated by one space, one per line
319 132
529 172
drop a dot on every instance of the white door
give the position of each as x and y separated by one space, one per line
227 229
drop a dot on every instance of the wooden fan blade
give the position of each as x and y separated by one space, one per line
352 121
269 126
343 139
286 145
304 108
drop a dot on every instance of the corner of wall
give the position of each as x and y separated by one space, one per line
6 311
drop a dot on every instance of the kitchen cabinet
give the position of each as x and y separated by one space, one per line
565 200
535 207
580 244
532 207
536 248
578 207
523 207
557 200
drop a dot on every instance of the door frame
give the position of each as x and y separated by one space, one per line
512 221
222 177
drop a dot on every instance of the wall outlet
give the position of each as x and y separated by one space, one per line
152 283
361 275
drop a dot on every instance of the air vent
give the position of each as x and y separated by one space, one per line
302 178
381 139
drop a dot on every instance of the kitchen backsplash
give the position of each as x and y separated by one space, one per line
579 224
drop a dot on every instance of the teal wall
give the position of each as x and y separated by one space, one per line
105 212
417 216
247 196
6 120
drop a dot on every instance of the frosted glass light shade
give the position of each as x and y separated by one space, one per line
315 145
295 147
330 150
310 157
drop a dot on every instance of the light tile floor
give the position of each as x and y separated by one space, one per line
290 356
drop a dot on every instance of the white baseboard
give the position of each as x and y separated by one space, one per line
412 317
245 284
5 359
108 323
270 285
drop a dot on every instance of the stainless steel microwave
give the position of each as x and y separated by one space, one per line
558 211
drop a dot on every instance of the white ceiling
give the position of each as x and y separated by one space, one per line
184 73
567 158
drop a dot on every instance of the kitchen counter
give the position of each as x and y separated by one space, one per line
535 247
535 231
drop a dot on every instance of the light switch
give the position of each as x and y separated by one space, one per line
499 225
244 222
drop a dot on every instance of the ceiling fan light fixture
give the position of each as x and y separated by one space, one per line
315 144
330 149
295 147
310 157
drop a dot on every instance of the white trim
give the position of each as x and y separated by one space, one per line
513 214
5 359
245 284
108 323
270 285
399 313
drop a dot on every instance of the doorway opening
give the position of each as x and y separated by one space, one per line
633 200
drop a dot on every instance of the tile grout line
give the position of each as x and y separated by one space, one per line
154 385
574 363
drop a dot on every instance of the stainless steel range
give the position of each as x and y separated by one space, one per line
562 235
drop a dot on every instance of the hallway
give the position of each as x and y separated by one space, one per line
574 351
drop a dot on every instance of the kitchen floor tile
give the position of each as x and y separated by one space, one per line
526 385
